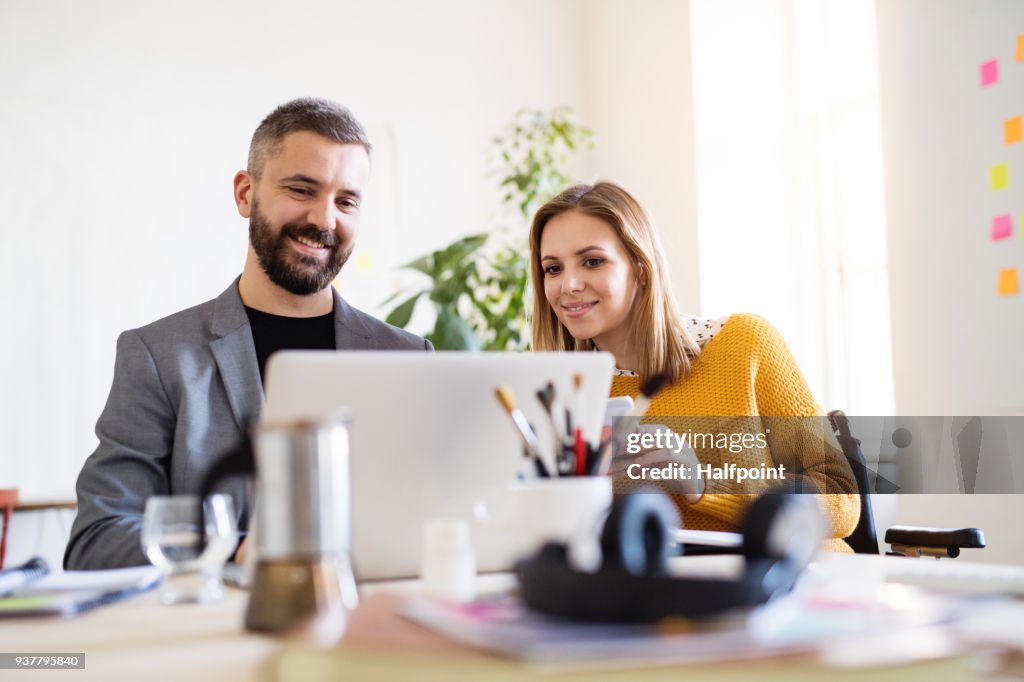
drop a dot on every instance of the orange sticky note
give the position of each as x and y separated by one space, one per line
1020 48
1008 282
1012 130
999 176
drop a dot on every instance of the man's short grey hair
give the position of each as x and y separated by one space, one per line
321 116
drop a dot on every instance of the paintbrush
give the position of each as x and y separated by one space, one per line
508 402
577 396
546 396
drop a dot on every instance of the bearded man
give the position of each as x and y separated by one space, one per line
186 387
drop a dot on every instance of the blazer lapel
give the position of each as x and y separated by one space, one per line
235 354
349 331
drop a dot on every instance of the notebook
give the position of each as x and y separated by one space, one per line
71 592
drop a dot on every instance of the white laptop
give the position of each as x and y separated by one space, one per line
428 436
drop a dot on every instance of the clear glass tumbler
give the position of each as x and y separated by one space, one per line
171 529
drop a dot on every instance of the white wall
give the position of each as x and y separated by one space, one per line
122 124
956 345
640 99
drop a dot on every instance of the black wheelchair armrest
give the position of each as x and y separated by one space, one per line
937 542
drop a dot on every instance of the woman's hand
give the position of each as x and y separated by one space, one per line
692 488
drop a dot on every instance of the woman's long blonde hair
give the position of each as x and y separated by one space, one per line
662 342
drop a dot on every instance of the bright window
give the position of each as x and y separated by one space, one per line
791 206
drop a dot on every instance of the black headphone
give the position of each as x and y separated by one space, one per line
781 531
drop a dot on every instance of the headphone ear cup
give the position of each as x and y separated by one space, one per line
756 525
637 535
783 525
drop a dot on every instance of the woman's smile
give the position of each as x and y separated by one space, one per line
577 310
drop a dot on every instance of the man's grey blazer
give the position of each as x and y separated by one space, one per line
184 388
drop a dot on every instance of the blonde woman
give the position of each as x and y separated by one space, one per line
600 283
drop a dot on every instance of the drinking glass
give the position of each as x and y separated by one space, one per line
171 531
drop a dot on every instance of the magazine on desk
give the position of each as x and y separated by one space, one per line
503 626
825 625
398 637
69 593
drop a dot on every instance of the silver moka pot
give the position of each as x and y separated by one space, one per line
302 521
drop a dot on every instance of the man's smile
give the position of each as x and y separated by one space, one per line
309 246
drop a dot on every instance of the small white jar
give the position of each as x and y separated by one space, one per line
448 565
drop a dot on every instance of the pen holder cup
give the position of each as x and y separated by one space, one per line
513 521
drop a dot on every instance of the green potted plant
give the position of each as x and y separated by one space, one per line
478 284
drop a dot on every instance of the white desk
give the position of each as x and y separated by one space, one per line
141 639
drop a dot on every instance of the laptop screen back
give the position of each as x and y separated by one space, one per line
428 436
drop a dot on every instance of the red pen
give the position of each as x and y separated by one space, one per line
580 449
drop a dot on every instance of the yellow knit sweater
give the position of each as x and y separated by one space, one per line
746 380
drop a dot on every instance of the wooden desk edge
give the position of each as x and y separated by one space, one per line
45 505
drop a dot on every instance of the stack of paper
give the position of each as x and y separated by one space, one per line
71 592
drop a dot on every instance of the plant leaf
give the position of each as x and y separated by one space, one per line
401 315
424 264
452 333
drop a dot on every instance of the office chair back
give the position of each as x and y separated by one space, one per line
864 539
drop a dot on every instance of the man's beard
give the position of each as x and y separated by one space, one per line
292 271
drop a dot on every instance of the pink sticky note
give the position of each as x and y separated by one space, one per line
989 72
1002 227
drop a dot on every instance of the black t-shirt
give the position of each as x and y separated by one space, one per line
271 333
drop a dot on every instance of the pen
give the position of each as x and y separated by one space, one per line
581 453
569 442
13 578
504 395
